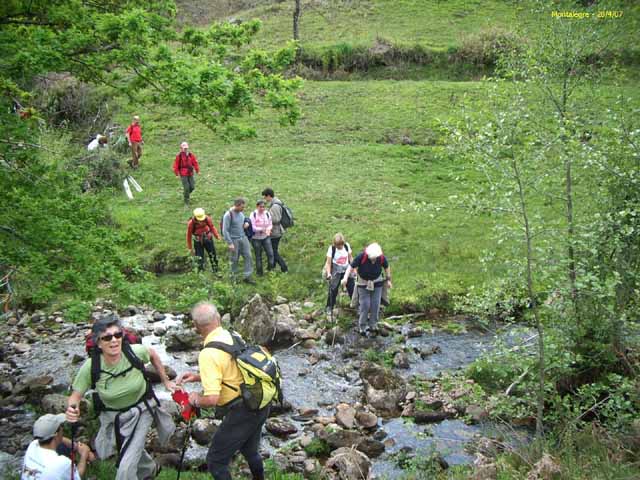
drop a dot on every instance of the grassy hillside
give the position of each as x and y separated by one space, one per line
366 158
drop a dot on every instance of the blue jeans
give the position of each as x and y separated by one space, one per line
241 249
369 309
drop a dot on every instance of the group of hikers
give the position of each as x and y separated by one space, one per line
123 398
263 229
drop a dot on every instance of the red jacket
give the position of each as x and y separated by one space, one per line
134 132
197 228
185 164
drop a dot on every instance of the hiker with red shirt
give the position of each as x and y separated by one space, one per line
201 229
184 166
369 265
134 137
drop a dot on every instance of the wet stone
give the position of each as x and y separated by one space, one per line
280 427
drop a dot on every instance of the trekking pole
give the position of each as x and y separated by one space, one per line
184 447
334 319
74 431
189 412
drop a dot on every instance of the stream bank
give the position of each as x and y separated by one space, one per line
337 394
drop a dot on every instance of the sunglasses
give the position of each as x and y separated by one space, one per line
108 337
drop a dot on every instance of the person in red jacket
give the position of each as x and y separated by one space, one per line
201 229
134 136
184 166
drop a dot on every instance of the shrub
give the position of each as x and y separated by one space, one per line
66 101
484 48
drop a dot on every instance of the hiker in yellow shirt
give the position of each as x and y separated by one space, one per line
241 428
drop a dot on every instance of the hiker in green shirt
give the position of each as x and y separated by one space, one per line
124 399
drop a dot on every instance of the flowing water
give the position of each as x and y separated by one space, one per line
318 378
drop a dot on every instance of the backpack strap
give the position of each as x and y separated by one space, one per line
233 350
96 372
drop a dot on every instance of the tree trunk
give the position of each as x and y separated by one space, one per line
296 20
532 299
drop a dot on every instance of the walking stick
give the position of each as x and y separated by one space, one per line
74 431
189 412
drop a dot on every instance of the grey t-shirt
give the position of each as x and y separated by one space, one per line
232 223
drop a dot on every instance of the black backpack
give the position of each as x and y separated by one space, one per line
286 220
96 372
333 250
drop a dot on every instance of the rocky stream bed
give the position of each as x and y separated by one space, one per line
369 421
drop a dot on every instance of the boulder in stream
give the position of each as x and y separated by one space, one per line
255 323
182 339
383 389
350 464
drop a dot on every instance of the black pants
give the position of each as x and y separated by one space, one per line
334 288
258 246
240 431
201 246
276 256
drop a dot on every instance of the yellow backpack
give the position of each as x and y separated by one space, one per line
260 371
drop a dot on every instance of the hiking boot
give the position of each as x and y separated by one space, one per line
329 311
249 280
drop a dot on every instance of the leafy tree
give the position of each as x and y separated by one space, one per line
61 239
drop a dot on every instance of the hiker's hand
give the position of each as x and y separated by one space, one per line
191 251
83 450
194 399
389 285
169 385
245 225
72 414
344 282
187 377
232 247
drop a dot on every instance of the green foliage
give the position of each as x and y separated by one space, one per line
317 448
383 358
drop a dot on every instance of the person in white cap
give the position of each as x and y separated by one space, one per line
184 166
44 459
369 265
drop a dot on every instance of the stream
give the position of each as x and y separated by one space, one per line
317 378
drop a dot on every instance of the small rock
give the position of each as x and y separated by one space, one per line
158 317
415 332
280 427
77 359
226 319
367 419
160 331
345 415
280 300
21 347
202 430
428 416
401 360
130 311
308 305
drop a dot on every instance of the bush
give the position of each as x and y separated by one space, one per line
485 47
66 101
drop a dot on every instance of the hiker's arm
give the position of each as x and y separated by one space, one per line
73 407
276 214
347 272
157 364
226 220
327 267
187 377
194 161
204 401
387 274
176 165
84 452
189 234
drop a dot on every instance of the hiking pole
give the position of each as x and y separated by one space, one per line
74 431
189 412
